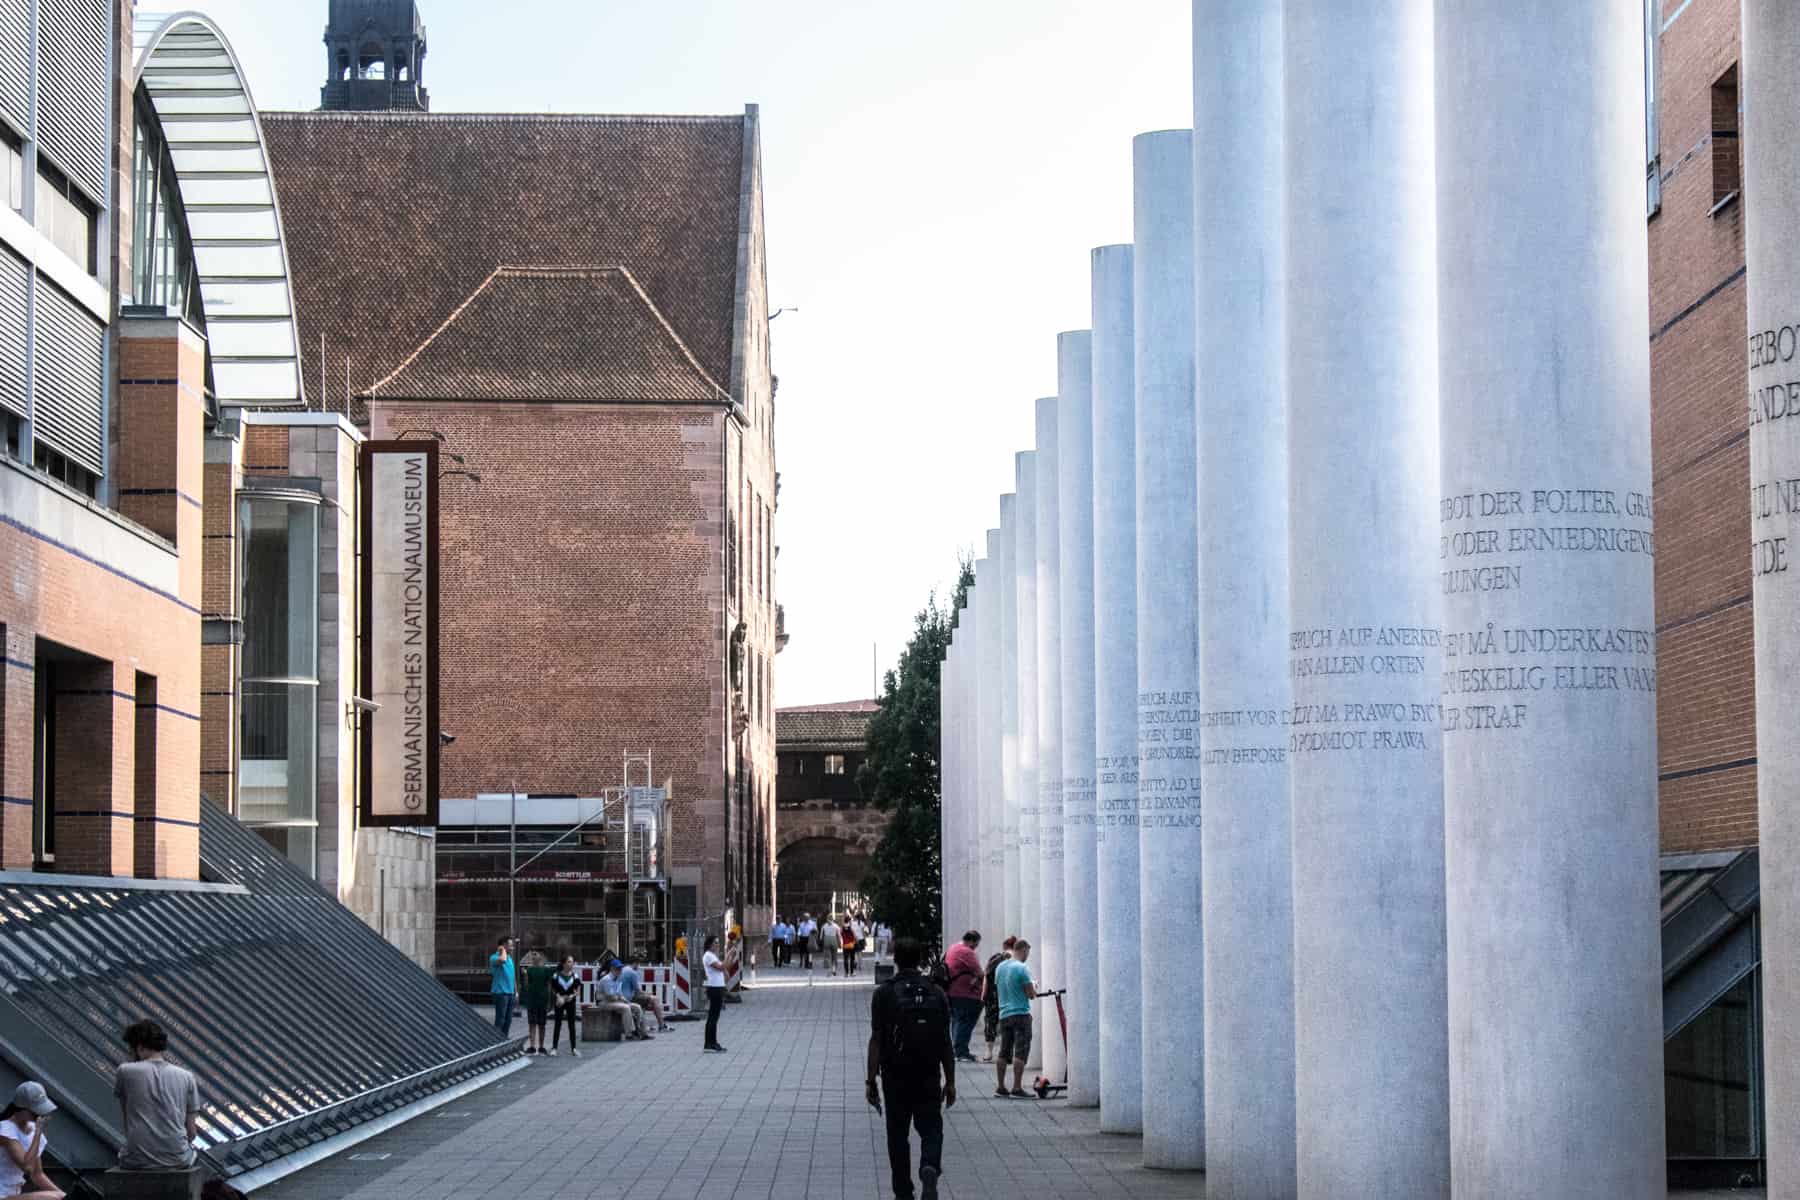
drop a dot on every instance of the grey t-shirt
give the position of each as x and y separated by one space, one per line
158 1098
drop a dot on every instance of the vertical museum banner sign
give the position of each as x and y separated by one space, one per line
400 633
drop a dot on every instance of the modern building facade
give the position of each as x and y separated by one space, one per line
591 338
146 336
826 831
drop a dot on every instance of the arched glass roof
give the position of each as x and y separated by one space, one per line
208 116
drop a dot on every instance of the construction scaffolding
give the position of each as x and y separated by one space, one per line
563 873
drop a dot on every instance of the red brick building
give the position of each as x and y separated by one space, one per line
576 305
1706 697
1706 690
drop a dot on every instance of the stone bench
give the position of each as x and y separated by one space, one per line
602 1024
153 1185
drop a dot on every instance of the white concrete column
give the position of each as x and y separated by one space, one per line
1009 714
992 905
1025 606
1771 164
1168 645
1047 947
1075 582
1115 696
1366 754
949 783
1247 850
970 751
1549 682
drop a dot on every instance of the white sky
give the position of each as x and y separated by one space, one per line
935 172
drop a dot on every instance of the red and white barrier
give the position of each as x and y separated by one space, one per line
684 987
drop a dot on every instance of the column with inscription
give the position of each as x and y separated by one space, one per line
1047 947
1545 560
1025 605
1365 752
1247 852
1168 605
1075 577
992 865
1771 158
1009 715
1120 956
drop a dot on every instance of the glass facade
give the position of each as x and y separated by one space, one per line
278 537
162 256
1711 1079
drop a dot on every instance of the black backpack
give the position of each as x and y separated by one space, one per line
940 973
920 1030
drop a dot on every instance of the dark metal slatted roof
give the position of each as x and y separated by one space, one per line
300 1021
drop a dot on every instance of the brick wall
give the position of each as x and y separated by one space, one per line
582 605
1706 692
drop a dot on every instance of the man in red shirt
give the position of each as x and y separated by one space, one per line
964 990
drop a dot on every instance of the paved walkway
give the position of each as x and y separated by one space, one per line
780 1115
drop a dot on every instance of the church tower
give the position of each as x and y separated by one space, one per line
374 57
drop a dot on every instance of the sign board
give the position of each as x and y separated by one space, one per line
400 633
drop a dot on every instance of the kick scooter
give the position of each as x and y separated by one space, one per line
1042 1085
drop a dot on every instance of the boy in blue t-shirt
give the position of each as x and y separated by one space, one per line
1012 980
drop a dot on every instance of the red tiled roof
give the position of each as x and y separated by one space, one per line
395 220
824 726
553 333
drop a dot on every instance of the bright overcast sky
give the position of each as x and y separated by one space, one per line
935 174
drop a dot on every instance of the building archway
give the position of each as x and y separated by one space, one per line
819 875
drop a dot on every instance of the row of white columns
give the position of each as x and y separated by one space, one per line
1303 713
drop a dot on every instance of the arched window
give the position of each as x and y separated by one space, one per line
371 61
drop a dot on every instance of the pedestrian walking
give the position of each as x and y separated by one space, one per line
777 941
884 940
23 1139
1013 980
964 989
990 998
159 1103
565 1006
715 992
503 985
829 935
909 1050
804 934
534 989
853 928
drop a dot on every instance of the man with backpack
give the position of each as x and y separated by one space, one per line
909 1045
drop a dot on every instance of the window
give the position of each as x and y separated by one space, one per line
162 258
1712 1081
278 539
15 434
1727 177
14 163
372 62
65 216
57 465
834 764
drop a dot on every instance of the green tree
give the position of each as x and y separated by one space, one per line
901 773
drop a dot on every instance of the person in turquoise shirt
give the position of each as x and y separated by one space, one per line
1012 979
504 984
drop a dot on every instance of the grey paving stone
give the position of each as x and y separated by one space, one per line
779 1116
